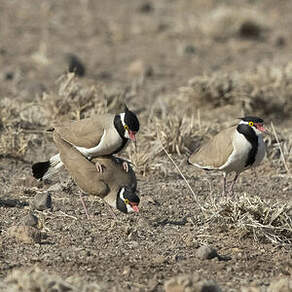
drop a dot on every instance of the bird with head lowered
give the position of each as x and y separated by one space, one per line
115 186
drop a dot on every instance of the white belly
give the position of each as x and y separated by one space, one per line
109 143
237 160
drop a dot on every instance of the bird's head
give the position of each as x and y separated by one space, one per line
127 200
130 123
256 123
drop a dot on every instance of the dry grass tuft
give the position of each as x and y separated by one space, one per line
252 217
265 91
73 100
177 134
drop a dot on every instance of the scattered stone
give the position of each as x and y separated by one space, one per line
42 201
25 234
30 220
190 283
12 203
250 30
75 65
281 285
190 49
280 41
205 252
146 7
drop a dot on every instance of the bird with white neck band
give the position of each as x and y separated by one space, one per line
115 186
235 149
98 136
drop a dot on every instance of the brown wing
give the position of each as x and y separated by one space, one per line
82 170
87 132
114 174
216 152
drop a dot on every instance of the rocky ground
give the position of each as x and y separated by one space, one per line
188 69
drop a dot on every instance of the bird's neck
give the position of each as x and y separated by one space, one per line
252 137
248 132
119 126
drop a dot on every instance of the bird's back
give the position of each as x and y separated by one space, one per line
215 152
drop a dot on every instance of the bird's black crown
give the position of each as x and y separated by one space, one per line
253 119
130 194
131 120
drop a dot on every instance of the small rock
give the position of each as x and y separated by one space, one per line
42 201
75 65
280 41
25 234
146 7
190 49
250 30
30 220
206 252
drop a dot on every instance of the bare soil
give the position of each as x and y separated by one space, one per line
148 54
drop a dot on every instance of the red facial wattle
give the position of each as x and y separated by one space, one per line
134 207
132 135
261 128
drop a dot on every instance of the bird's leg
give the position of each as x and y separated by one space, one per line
224 184
84 206
125 166
233 183
98 167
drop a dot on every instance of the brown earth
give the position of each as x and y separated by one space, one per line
189 69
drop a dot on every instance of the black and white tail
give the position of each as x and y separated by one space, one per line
42 170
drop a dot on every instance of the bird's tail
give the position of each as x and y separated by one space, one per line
42 170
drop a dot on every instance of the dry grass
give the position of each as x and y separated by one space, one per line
253 217
265 91
175 135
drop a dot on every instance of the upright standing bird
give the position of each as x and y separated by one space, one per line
234 149
93 137
113 185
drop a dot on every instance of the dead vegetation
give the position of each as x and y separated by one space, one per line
251 216
264 91
237 62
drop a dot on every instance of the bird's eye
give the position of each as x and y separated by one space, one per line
126 127
126 201
250 123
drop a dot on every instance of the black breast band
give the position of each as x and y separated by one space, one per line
252 138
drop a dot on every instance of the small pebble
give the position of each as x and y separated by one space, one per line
42 201
206 252
30 220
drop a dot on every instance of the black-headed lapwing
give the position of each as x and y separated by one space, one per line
99 136
115 186
234 149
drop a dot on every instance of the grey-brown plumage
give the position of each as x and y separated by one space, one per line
234 149
108 184
216 152
98 136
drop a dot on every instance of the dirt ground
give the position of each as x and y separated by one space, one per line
188 69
